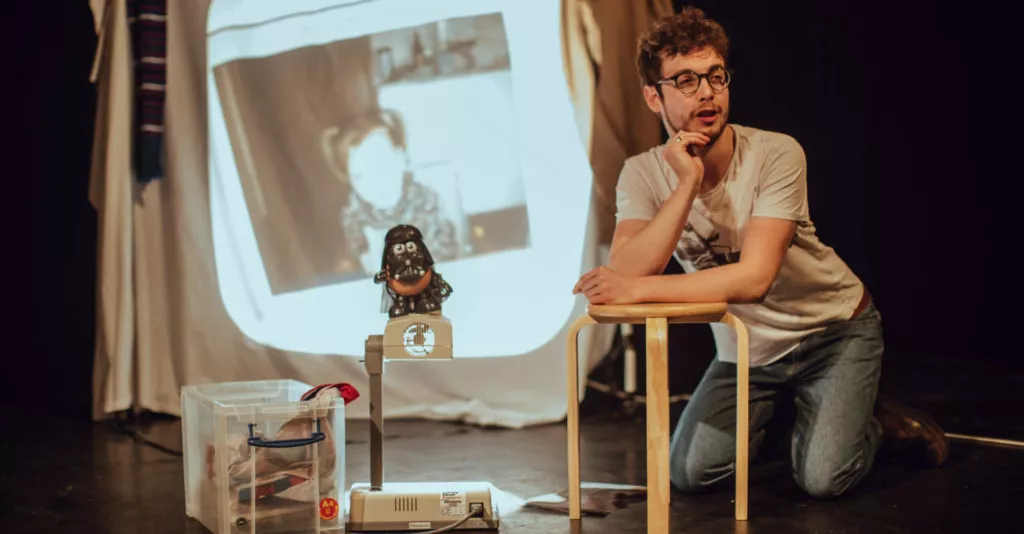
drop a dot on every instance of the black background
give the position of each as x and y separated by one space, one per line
892 157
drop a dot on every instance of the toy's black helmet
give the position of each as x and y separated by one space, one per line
404 233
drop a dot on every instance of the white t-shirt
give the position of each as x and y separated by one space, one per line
766 177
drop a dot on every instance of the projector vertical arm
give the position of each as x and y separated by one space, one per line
375 368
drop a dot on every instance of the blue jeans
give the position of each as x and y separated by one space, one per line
833 376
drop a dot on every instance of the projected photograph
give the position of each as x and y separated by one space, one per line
336 143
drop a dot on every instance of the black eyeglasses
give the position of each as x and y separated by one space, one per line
688 82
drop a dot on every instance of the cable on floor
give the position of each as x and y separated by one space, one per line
129 429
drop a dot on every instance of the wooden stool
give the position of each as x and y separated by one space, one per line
657 317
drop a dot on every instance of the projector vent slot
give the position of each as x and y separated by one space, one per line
406 504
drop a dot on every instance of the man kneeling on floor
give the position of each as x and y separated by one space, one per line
730 201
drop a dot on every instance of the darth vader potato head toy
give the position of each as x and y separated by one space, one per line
411 285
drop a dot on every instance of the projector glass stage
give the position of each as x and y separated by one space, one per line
488 164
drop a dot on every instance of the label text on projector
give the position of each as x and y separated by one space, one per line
453 503
419 524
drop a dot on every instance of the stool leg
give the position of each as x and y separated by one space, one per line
573 413
742 412
658 485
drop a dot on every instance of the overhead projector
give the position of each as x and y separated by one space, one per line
412 506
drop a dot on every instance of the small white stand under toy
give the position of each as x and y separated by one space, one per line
396 506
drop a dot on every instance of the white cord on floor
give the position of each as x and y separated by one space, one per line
451 526
990 441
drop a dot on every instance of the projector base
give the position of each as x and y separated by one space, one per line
419 506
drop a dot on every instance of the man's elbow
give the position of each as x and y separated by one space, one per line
755 288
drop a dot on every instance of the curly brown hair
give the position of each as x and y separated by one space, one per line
681 33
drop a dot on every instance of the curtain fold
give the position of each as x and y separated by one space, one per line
601 39
110 192
581 53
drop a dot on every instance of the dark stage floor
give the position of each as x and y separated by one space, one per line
61 475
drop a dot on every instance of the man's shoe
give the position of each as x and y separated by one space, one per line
907 430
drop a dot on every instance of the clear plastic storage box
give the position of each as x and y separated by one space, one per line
258 458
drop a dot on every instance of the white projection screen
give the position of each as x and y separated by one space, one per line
332 121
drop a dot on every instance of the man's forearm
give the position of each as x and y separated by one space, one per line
649 251
733 283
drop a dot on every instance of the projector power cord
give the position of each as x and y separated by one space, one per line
457 524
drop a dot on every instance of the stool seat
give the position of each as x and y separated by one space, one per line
639 313
657 317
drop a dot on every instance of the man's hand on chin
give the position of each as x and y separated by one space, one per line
605 286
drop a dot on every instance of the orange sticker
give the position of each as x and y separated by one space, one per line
328 508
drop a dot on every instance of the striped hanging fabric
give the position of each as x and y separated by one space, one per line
147 23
